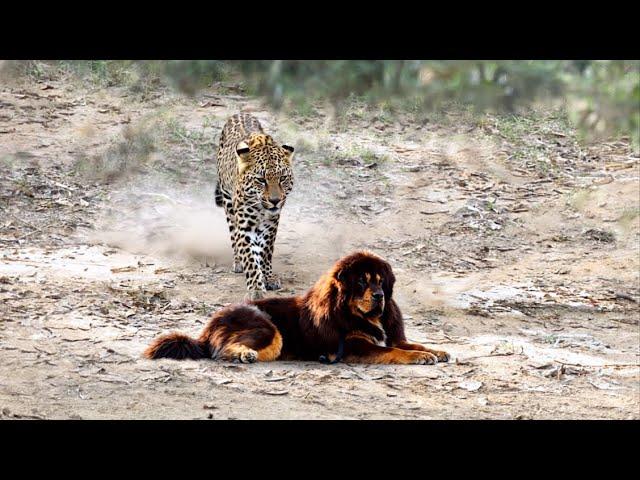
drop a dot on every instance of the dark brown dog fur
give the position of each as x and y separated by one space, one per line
352 300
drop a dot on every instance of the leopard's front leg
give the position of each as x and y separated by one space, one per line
250 246
272 282
235 241
225 199
251 256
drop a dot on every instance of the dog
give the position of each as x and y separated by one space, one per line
349 315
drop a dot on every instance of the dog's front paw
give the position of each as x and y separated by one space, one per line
442 356
423 358
273 283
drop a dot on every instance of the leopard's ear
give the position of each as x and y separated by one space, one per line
244 158
290 150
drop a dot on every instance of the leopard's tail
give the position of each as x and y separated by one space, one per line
218 195
177 346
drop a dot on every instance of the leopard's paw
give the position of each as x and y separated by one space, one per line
237 267
254 295
273 283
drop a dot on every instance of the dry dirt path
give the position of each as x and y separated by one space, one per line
524 267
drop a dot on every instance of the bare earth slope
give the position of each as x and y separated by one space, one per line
515 249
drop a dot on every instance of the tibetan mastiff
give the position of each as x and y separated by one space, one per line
349 314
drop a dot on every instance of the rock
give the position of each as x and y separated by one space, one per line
470 385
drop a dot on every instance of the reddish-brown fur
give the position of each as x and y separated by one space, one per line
342 303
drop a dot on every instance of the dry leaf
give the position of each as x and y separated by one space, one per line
131 268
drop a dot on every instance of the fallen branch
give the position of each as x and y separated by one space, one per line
434 213
599 366
626 296
508 354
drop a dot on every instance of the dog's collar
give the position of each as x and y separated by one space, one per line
339 354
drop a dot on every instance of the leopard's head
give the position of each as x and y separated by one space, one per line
264 169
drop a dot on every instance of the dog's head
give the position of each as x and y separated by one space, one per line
365 282
358 287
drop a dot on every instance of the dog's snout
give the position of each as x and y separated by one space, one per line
378 295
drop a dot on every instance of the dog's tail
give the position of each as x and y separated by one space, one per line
177 346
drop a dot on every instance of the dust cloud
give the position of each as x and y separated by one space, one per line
162 218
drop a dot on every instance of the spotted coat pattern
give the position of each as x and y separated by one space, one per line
254 179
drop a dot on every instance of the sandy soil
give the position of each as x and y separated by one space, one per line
524 266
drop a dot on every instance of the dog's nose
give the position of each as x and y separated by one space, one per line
378 296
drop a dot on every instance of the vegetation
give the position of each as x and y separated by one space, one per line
601 97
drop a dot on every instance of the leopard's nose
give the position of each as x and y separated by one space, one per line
275 201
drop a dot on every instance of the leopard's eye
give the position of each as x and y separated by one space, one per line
262 181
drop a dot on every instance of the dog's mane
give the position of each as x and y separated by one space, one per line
326 300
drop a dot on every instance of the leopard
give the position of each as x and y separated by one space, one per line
255 176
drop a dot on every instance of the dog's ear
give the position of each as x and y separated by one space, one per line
341 289
388 280
341 278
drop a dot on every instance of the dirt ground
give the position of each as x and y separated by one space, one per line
516 249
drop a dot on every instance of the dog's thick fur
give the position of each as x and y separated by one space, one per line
353 300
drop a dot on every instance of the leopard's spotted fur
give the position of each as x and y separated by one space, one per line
254 179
